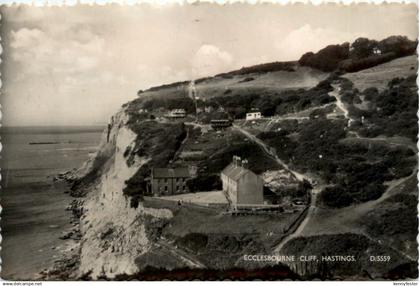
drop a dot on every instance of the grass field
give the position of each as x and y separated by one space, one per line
303 77
379 76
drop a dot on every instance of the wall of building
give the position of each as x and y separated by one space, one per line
250 189
253 115
169 186
230 187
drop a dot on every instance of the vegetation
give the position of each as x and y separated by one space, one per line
262 68
347 244
170 103
204 183
326 59
258 161
275 103
391 112
157 142
361 54
356 171
401 219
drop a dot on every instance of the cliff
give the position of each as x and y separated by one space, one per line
113 233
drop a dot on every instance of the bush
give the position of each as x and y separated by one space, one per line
204 183
336 197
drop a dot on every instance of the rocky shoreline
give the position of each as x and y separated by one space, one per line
66 267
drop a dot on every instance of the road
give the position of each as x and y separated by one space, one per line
299 176
310 213
271 152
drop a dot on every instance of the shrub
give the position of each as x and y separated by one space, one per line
204 183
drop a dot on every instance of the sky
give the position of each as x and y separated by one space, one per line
78 65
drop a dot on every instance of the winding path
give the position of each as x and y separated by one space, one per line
299 176
272 153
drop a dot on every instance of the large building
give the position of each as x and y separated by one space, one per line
243 187
168 181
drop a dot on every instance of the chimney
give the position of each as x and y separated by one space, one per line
236 161
245 164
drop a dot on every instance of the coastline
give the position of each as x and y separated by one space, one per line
37 204
65 267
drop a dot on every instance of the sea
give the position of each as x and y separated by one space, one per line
33 205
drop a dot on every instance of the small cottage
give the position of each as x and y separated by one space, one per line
254 114
169 181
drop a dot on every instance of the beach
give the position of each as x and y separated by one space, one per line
34 213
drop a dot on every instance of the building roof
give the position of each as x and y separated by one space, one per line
219 120
170 172
235 172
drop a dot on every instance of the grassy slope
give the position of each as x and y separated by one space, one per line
303 77
380 75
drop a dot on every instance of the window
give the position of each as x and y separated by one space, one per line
166 180
166 188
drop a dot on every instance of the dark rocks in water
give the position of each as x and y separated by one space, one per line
66 236
64 269
76 207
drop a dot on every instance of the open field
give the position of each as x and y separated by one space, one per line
302 77
380 75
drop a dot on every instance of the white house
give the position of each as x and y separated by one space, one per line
177 113
253 115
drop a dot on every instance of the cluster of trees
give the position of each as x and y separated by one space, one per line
326 59
205 183
361 54
262 68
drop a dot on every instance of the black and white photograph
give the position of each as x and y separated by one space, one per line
209 142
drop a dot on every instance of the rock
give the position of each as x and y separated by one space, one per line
66 236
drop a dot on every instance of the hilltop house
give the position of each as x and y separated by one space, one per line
254 114
243 187
169 181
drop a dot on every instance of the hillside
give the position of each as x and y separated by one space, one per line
341 144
